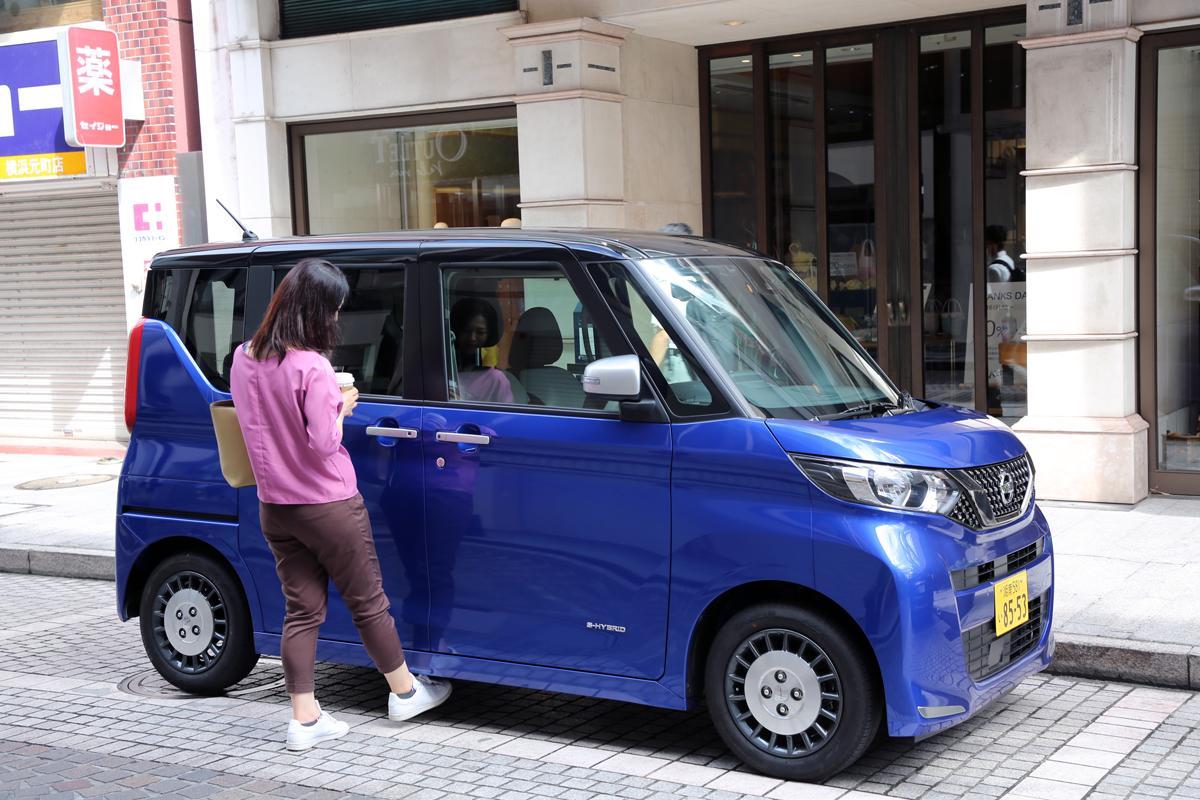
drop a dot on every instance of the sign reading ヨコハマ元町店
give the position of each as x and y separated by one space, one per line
91 86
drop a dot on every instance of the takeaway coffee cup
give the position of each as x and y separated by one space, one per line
345 380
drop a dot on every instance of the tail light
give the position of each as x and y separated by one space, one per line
133 366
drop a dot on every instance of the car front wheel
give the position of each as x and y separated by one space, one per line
791 694
196 625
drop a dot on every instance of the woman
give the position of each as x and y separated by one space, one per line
291 414
476 325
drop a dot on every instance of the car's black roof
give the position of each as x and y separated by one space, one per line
588 244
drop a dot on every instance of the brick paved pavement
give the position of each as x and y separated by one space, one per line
70 725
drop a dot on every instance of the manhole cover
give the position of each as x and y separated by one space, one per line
64 482
267 677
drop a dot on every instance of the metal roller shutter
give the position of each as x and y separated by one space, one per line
62 316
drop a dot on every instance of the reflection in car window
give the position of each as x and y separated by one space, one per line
778 343
687 388
372 324
215 321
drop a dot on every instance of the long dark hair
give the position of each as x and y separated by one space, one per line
303 312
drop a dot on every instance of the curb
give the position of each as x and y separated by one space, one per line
58 562
1173 666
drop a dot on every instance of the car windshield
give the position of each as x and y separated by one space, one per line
782 348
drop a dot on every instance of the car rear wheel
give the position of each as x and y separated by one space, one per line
196 625
790 694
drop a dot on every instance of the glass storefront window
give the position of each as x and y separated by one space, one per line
1004 214
28 15
463 174
947 257
1177 260
850 189
733 178
792 80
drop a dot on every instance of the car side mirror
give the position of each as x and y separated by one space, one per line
614 378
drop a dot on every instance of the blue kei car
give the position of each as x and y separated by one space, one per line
687 484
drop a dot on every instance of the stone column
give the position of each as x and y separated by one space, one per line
245 163
1083 429
569 122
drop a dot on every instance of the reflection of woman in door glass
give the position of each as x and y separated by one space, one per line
476 324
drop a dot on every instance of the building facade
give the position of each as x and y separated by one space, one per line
78 223
1001 202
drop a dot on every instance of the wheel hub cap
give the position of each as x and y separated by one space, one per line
790 717
188 622
783 693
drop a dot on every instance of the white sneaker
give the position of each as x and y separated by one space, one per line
326 728
429 693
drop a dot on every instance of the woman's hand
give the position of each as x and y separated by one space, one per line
349 402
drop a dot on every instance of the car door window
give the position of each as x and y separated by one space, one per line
688 390
516 335
214 323
372 329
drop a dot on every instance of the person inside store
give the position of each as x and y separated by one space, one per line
1000 266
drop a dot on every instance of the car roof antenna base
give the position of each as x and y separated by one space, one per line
247 234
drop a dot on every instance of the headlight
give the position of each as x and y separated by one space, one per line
883 485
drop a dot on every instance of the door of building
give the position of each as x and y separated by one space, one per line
884 166
1169 243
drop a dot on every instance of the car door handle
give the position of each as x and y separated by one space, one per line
392 433
463 438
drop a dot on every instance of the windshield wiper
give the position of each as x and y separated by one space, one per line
868 409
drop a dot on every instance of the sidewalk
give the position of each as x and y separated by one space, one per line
1128 578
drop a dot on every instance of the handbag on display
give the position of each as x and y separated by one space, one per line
866 260
231 446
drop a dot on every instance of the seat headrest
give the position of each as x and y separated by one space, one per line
537 341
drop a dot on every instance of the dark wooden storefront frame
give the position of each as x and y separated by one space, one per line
896 242
1161 481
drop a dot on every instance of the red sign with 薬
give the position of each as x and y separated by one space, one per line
90 71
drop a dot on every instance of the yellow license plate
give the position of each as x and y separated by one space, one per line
1012 602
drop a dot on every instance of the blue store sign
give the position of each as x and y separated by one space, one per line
33 142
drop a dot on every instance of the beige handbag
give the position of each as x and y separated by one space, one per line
235 463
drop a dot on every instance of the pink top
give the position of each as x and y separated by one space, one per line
288 412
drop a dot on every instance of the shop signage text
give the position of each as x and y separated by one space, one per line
91 86
32 137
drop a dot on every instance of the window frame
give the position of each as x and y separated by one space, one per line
298 158
185 291
436 258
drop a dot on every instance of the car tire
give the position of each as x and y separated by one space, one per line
210 643
790 693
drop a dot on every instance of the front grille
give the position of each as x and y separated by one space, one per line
998 568
983 504
986 653
965 513
990 478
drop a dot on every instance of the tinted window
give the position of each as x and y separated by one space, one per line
517 335
372 323
214 322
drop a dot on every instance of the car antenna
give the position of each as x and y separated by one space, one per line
247 234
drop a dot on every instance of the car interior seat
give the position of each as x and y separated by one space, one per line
537 345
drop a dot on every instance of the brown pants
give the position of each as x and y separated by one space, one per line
314 544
